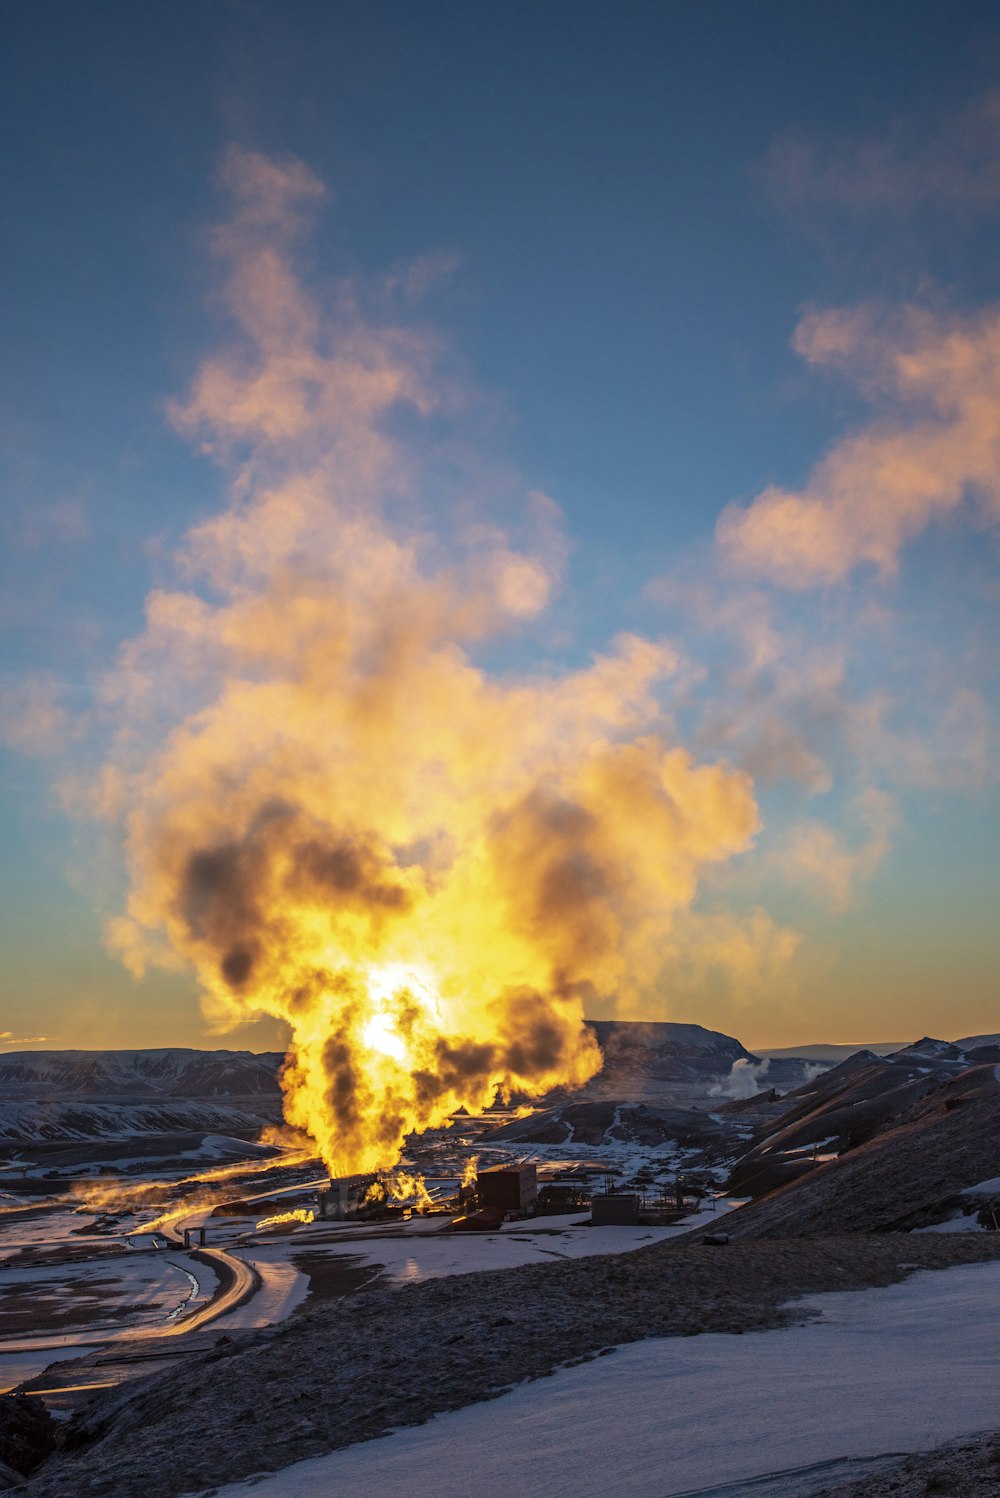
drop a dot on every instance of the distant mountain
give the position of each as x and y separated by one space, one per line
679 1051
130 1076
829 1053
28 1120
650 1062
835 1053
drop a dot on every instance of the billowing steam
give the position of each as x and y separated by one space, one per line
330 810
745 1080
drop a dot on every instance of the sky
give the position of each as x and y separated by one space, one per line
661 342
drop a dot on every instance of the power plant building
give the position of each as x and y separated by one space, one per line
511 1188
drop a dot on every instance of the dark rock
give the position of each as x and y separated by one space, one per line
27 1433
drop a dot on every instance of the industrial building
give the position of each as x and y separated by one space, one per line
344 1197
511 1188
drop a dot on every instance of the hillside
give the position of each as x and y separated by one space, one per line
911 1172
846 1106
619 1123
129 1076
26 1121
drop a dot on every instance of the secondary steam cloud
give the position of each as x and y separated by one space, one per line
330 808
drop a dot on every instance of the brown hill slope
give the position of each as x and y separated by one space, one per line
908 1175
844 1108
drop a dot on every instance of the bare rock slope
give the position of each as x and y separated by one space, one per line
911 1173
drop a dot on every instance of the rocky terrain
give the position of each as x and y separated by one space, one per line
846 1107
622 1123
112 1095
922 1142
351 1370
843 1169
27 1437
966 1469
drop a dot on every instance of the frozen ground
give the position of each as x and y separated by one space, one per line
886 1371
420 1255
98 1300
283 1287
17 1367
86 1291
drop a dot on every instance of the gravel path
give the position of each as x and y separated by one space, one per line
351 1369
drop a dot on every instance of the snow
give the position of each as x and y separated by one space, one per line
422 1251
283 1287
16 1367
226 1147
891 1370
168 1286
983 1188
815 1146
148 1291
619 1158
959 1223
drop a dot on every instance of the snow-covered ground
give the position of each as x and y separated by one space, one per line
283 1287
174 1281
100 1300
16 1367
412 1254
983 1188
960 1223
967 1221
892 1370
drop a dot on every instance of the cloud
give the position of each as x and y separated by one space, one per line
7 1037
288 379
931 449
955 748
815 855
950 165
720 959
34 718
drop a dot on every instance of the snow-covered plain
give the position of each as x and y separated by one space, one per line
420 1255
892 1370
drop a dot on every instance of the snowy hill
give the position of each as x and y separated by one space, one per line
76 1095
128 1076
41 1122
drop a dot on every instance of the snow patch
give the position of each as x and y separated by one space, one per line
899 1369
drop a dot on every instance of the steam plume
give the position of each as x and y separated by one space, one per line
329 809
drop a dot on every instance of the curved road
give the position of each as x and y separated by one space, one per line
243 1281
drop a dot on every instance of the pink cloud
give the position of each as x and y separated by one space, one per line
932 444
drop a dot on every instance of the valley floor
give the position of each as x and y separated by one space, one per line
383 1360
881 1372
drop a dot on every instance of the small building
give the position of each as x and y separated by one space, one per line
512 1188
344 1196
617 1209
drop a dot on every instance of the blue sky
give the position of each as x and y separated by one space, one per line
622 215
